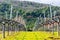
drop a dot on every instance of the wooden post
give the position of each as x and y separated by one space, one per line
8 29
44 27
58 28
3 29
53 29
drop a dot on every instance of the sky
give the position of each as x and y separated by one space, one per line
53 2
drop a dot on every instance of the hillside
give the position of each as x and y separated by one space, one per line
29 10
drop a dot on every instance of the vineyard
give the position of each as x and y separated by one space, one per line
25 20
